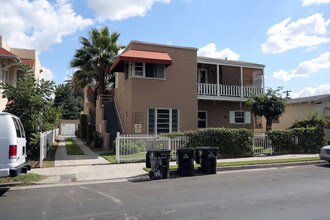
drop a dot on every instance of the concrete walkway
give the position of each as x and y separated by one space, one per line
90 158
88 167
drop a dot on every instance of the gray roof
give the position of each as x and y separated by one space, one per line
316 98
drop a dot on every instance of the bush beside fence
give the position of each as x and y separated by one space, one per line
230 142
297 140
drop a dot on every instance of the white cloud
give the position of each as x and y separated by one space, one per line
305 68
123 9
310 91
305 32
317 2
210 50
38 24
47 73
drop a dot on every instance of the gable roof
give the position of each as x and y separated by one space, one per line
317 98
6 53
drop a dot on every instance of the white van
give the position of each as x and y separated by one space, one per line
12 146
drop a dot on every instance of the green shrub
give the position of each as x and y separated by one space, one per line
84 118
230 142
90 133
97 139
133 147
297 140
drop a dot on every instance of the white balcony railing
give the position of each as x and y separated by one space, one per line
207 89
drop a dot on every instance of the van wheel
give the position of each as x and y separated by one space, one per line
13 173
28 167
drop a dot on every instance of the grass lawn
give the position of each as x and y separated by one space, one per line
112 157
242 163
23 178
255 162
72 148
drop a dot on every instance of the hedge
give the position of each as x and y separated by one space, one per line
297 140
230 142
84 119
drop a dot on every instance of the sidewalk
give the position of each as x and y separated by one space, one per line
88 167
93 167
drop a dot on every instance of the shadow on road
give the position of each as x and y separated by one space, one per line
3 190
325 165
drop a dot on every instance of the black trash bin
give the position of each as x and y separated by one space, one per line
207 158
159 164
185 161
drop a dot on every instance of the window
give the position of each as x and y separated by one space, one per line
202 119
257 121
148 70
139 69
163 120
17 128
155 70
5 76
240 117
202 76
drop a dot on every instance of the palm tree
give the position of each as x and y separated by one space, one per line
94 58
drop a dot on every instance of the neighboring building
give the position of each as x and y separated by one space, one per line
165 88
301 108
10 59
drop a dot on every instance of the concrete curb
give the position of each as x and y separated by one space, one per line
173 173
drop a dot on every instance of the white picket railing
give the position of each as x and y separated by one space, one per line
227 90
46 141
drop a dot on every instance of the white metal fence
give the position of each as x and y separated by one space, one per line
46 141
261 144
133 148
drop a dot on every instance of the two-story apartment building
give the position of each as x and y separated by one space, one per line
10 59
165 88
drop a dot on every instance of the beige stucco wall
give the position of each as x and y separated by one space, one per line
218 113
294 112
177 91
12 71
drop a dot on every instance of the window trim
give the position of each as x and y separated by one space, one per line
199 74
171 119
247 117
131 70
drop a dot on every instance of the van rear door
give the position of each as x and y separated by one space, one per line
21 141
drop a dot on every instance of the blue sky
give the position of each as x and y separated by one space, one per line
291 38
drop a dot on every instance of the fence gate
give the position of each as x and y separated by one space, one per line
261 144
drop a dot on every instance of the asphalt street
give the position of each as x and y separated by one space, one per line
279 193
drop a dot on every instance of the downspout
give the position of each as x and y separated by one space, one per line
118 116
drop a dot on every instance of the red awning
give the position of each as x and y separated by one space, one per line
6 53
142 57
29 62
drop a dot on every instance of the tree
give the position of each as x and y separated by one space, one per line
70 104
94 58
29 100
270 105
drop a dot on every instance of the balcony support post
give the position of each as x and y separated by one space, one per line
218 81
242 90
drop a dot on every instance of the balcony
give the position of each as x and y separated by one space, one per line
226 92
